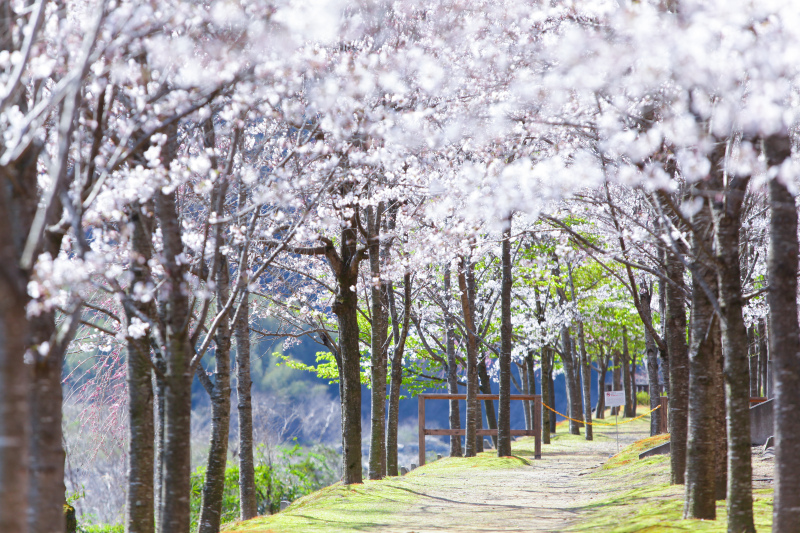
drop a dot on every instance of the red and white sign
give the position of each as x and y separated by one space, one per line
615 398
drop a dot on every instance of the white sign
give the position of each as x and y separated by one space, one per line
615 398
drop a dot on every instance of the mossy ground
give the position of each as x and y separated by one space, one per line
642 500
621 495
373 504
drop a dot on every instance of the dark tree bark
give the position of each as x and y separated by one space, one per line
506 330
140 507
346 309
19 197
452 369
663 355
531 376
602 369
721 433
652 363
159 404
14 374
397 373
628 376
678 368
584 368
47 489
616 377
522 370
701 438
220 393
465 271
174 511
784 342
632 376
486 388
752 359
479 440
344 264
727 209
244 406
572 384
586 371
763 356
552 392
547 372
378 347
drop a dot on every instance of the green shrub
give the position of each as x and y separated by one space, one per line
101 528
643 398
292 473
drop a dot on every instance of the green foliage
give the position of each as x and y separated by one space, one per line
295 472
642 398
101 528
325 368
84 523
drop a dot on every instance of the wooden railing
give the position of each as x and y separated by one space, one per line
664 425
535 432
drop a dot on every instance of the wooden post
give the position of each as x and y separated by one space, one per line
421 399
537 427
664 418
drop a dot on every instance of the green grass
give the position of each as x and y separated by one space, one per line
370 505
642 500
632 495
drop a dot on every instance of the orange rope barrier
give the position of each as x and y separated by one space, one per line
601 423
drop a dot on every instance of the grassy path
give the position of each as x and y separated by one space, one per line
574 487
480 494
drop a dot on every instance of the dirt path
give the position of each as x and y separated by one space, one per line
546 496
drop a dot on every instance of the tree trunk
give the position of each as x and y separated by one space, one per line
663 354
220 393
571 375
678 368
616 377
175 511
727 225
244 407
140 507
14 409
19 198
378 346
467 308
632 404
531 375
522 369
701 438
506 330
652 363
762 357
602 363
159 385
784 343
586 371
547 370
552 392
452 369
479 440
752 359
721 433
346 309
628 377
47 489
488 405
397 373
